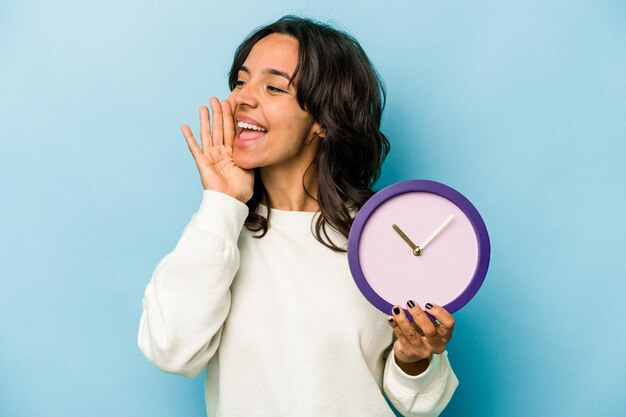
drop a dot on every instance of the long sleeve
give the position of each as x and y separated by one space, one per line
423 395
188 297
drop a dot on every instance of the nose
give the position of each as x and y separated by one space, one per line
243 96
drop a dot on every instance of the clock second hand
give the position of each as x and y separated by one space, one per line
436 232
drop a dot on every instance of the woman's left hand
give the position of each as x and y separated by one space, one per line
420 339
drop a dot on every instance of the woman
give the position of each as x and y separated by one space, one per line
252 291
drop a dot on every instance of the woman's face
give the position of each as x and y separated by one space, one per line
263 98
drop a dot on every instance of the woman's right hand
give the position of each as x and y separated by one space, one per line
215 162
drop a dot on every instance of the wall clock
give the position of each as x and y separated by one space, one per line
418 240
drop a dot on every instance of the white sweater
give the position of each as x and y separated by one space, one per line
278 323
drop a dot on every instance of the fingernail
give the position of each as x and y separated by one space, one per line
410 303
390 319
396 310
429 306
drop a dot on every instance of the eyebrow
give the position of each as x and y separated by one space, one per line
271 71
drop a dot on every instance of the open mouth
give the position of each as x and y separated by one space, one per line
248 131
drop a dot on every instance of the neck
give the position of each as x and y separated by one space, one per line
286 190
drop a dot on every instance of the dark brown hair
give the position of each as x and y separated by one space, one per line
342 91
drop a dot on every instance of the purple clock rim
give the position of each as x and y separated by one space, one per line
484 246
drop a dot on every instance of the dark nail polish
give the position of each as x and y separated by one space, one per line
429 306
410 303
390 319
396 310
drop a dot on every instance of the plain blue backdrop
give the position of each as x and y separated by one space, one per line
521 106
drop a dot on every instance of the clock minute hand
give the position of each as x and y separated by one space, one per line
416 249
436 232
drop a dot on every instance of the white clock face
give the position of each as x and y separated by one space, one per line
449 256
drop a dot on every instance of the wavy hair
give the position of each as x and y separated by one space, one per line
342 91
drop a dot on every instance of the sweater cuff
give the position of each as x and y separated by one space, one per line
221 214
413 383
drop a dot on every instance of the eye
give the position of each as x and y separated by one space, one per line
274 89
239 83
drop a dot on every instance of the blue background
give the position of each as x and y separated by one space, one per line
521 106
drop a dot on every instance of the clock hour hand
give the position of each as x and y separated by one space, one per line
437 231
417 251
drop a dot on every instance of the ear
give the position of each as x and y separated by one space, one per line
318 130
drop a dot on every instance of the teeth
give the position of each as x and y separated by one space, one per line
251 126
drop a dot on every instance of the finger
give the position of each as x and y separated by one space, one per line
410 333
217 134
229 124
445 319
398 332
205 128
191 142
421 319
